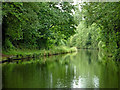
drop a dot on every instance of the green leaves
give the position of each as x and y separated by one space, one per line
107 18
85 37
37 24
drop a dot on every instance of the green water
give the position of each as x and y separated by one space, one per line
76 70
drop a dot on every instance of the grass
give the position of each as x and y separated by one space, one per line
30 53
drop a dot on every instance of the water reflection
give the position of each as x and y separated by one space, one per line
77 70
96 82
78 83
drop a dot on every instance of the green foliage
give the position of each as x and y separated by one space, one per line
107 17
8 44
37 24
77 15
85 37
53 51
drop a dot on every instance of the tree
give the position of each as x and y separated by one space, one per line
37 25
107 17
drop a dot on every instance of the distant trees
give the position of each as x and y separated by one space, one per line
85 37
37 24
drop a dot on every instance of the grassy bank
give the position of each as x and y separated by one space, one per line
27 53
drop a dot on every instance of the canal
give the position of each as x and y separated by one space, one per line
83 69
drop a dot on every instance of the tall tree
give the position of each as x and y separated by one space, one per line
38 24
107 16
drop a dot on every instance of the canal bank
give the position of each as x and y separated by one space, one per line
18 54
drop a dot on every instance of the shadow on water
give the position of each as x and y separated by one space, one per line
76 70
88 53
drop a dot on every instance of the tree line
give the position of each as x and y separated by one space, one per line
99 27
48 24
37 24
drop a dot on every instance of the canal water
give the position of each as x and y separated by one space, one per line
83 69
